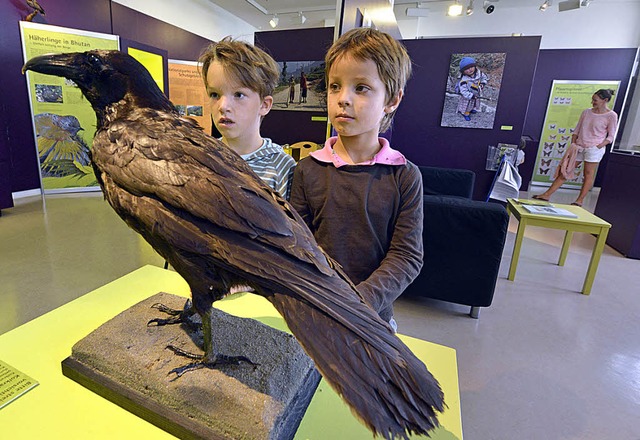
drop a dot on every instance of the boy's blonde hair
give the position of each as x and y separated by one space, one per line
392 59
252 67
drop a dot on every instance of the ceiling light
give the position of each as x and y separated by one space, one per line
568 5
301 18
417 12
455 9
470 8
274 21
545 5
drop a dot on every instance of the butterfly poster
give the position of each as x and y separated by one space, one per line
567 100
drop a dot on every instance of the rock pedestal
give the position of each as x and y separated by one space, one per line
128 363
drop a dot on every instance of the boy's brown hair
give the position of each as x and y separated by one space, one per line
251 66
391 58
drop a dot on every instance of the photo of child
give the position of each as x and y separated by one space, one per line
470 85
473 86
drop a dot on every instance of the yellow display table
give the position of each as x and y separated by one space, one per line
583 222
60 408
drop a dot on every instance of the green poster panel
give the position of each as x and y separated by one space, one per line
567 101
63 121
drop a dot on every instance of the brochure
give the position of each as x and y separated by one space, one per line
549 210
533 202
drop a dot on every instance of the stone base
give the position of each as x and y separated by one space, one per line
128 363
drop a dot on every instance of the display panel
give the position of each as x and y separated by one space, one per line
64 122
188 93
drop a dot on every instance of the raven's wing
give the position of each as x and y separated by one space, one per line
157 155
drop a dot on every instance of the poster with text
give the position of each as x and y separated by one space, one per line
568 99
63 120
473 88
188 93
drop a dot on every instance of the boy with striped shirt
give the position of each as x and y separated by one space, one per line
240 81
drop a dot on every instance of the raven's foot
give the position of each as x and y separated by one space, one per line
211 362
177 316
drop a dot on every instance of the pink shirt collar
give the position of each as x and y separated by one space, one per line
386 155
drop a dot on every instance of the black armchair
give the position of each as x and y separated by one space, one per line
463 241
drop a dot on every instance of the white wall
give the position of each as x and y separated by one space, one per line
200 17
604 24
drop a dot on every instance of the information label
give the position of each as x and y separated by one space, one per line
13 384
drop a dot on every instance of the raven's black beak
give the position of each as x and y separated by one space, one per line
62 64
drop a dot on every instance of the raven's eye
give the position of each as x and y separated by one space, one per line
94 60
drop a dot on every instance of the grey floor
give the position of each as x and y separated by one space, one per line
543 362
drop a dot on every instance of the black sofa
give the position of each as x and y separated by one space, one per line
463 241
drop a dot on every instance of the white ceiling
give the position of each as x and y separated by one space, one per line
315 11
318 13
321 13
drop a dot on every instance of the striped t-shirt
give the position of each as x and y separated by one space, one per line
273 166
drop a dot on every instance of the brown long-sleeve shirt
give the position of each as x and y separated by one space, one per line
367 217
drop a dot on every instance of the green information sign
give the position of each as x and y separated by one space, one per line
567 101
64 122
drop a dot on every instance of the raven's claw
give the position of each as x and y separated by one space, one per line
160 322
167 310
215 361
178 316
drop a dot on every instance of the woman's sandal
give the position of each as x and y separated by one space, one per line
577 204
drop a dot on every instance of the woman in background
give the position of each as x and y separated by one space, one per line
595 130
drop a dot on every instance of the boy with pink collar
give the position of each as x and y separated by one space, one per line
361 198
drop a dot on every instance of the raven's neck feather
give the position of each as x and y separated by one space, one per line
130 103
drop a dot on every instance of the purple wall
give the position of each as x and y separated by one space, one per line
18 160
618 203
288 127
417 131
574 64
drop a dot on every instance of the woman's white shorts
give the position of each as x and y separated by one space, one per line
590 154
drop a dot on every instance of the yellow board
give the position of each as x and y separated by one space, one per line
59 408
153 62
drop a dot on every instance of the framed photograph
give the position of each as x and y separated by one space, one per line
473 87
301 87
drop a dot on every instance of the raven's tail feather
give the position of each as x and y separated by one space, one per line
383 382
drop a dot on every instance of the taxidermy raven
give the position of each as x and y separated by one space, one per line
202 208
